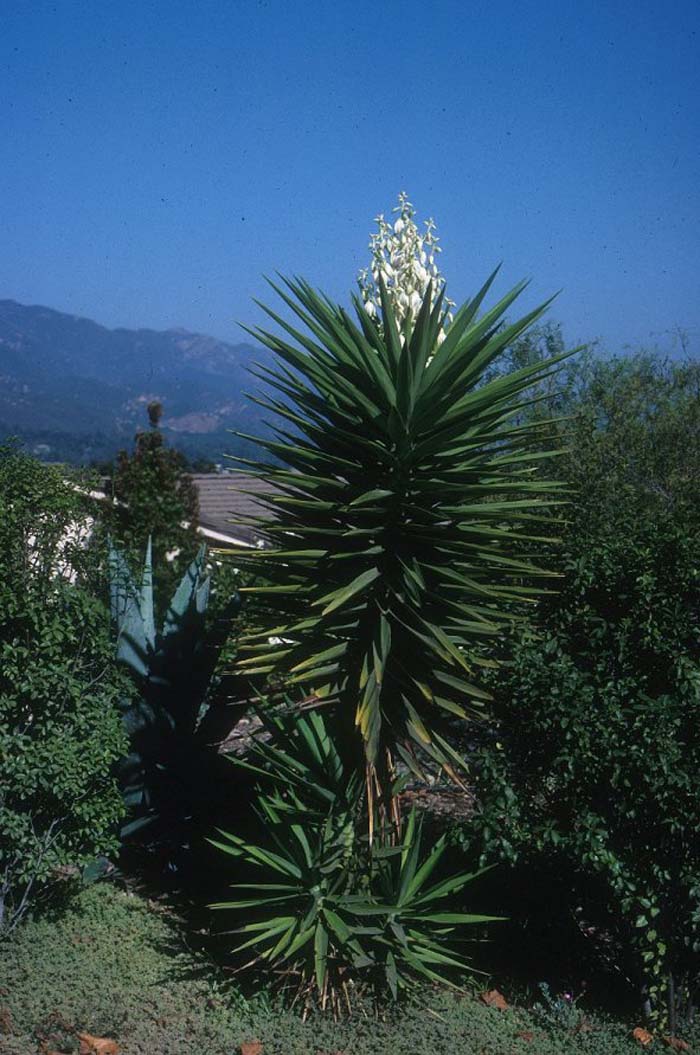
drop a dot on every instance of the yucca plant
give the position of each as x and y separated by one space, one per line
403 518
324 909
416 929
304 756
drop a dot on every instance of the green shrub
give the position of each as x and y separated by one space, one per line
595 763
60 730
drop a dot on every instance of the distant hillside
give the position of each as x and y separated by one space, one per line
74 390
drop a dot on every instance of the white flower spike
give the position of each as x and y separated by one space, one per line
405 259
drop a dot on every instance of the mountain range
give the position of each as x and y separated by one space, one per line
73 390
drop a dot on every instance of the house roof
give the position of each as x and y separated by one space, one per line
224 499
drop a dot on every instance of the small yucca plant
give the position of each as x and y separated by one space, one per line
403 514
321 906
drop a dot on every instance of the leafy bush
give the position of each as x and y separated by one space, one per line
596 759
60 730
591 766
629 427
634 436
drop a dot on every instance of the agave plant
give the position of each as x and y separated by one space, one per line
327 907
402 515
167 724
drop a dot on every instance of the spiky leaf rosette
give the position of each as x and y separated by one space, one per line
403 518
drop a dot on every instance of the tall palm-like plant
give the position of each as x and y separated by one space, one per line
402 516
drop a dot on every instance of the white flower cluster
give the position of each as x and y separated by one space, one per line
405 259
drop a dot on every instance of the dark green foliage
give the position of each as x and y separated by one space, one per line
595 764
600 741
60 731
403 491
174 719
330 907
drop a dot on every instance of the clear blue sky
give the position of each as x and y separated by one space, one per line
159 157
